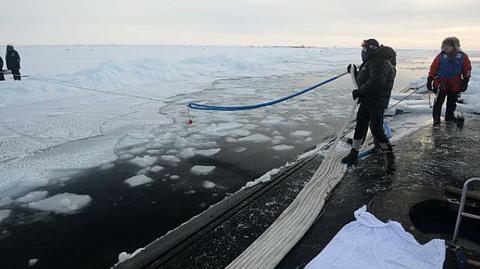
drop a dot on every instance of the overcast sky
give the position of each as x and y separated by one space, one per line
344 23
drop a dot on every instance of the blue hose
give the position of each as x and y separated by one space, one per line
248 107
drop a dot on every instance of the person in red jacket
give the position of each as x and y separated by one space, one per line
449 75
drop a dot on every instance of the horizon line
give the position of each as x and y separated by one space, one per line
212 45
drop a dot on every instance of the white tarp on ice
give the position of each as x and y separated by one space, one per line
373 244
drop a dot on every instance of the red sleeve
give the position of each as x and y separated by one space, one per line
467 67
435 66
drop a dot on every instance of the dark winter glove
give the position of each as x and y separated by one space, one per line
430 83
352 68
464 84
355 94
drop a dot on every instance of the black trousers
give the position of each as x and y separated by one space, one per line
452 98
2 77
16 74
372 116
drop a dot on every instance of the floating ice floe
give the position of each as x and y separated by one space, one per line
138 180
207 152
180 142
154 152
202 170
4 214
230 139
301 134
282 147
143 161
137 151
33 196
64 203
208 184
170 158
175 177
255 138
239 149
107 166
187 153
172 151
144 170
38 183
32 262
157 168
126 156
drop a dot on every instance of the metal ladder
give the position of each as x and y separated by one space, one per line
462 214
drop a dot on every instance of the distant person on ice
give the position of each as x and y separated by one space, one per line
1 69
449 75
375 79
13 62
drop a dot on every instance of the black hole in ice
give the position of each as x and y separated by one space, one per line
439 216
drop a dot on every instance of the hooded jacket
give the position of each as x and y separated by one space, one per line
13 60
376 77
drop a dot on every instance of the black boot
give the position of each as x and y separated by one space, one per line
390 162
351 158
388 156
436 121
450 118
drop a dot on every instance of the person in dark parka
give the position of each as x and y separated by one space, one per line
1 69
375 79
13 62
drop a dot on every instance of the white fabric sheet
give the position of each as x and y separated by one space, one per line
369 243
